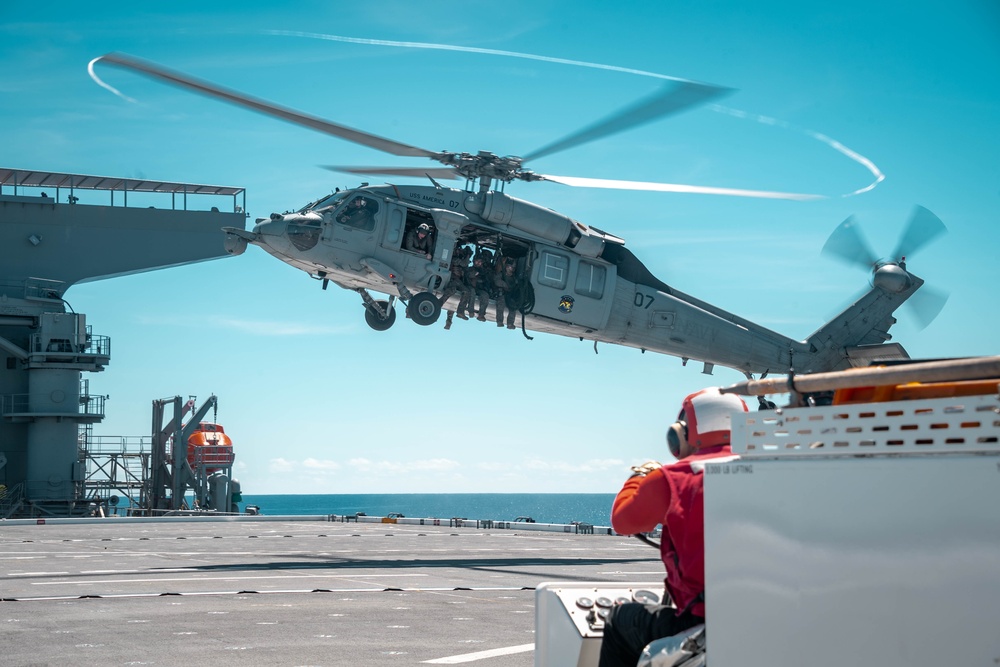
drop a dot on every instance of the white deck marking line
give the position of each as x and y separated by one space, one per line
480 655
262 592
231 578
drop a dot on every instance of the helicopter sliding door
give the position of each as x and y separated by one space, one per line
572 289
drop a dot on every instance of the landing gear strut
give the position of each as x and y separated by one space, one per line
379 315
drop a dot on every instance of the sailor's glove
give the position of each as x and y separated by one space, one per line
645 468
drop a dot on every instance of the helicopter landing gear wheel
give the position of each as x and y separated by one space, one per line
424 309
376 321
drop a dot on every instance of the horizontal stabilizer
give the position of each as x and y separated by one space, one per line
862 356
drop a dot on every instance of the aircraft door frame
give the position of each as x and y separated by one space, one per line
573 289
395 227
356 240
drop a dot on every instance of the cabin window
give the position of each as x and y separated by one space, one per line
590 280
553 270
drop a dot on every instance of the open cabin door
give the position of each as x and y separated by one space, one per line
416 270
572 289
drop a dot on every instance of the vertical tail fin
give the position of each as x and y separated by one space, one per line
864 324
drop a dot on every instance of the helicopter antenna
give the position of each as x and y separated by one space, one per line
436 184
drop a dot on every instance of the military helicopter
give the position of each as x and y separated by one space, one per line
574 279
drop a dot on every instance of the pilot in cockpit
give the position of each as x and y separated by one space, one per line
359 212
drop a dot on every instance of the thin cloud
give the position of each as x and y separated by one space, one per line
258 327
272 328
494 466
593 465
280 465
439 465
318 465
400 467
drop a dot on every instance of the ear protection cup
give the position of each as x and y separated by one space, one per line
677 437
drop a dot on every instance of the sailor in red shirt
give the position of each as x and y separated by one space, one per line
671 495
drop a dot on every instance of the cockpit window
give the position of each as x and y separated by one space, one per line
330 202
304 232
359 213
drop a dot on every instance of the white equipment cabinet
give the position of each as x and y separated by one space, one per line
860 534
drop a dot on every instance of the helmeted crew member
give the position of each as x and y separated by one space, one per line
459 265
420 240
508 293
479 278
358 213
672 495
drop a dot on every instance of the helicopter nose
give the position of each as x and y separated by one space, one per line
274 226
271 234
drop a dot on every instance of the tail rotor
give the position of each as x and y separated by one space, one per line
923 227
848 245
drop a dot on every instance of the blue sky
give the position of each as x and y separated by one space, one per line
825 98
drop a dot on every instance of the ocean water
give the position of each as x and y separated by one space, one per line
593 508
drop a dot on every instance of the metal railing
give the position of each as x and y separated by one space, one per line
30 185
20 404
99 346
10 499
119 444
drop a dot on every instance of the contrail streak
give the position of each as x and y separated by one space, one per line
469 49
832 143
766 120
857 157
97 80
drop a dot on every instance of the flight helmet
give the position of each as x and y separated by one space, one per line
704 420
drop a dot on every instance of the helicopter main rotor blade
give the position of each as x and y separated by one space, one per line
674 98
847 244
609 184
923 227
261 106
433 172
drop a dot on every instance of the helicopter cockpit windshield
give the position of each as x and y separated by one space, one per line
359 213
326 203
